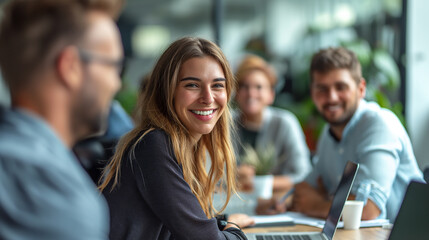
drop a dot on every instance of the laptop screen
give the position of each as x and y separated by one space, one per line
340 197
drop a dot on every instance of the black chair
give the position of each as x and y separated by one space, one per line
94 154
426 174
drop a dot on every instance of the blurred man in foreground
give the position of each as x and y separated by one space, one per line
61 61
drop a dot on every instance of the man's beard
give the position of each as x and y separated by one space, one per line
89 119
344 119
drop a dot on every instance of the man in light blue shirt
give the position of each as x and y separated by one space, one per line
61 61
358 131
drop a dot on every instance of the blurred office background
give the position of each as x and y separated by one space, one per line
389 36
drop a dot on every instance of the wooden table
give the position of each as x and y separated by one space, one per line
374 233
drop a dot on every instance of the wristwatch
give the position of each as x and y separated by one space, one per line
222 221
221 224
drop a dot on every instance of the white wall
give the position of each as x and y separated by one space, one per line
417 100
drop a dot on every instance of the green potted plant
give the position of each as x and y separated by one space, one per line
263 161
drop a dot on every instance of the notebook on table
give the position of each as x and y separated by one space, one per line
340 197
413 216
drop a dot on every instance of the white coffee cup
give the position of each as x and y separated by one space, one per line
352 213
263 186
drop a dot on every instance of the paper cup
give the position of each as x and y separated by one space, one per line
263 186
352 214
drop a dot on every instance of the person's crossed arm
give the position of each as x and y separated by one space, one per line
315 202
311 201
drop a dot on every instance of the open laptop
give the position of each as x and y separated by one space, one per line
340 197
413 216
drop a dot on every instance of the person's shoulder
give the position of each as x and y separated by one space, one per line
30 143
376 116
376 122
154 144
24 134
156 134
20 147
281 114
153 138
38 163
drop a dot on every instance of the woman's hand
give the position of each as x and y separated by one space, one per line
241 220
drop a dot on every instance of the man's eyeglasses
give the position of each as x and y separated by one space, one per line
87 57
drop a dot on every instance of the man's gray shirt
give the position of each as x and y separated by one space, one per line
44 192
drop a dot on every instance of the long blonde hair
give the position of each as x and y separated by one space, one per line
156 110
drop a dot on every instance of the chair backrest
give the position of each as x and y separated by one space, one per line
426 174
413 216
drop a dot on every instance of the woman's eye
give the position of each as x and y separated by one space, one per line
191 85
219 85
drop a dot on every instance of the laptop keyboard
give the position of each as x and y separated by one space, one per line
283 237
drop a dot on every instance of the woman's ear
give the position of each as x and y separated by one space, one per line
69 67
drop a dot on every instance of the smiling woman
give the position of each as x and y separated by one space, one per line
201 95
156 185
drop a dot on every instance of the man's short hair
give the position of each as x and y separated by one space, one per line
336 58
33 33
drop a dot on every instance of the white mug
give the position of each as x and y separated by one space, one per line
352 213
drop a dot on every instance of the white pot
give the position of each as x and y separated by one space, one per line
263 186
